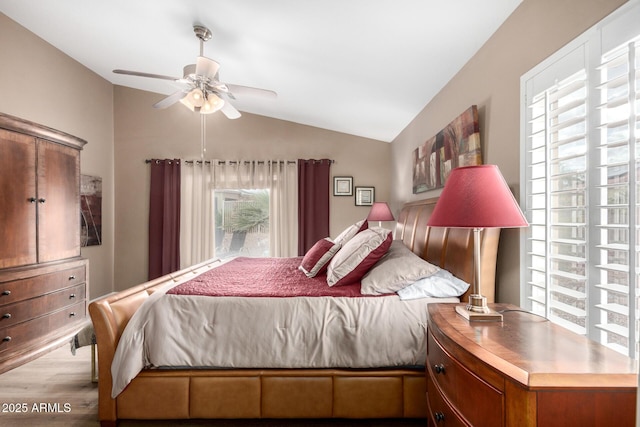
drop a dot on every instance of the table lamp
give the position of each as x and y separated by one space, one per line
477 197
380 212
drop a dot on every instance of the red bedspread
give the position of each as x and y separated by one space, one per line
262 277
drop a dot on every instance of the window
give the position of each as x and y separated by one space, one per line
580 171
242 223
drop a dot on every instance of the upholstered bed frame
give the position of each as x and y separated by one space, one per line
282 393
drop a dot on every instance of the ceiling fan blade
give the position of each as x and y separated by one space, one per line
229 110
237 90
171 99
139 74
206 67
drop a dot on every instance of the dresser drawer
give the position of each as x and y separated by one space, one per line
18 290
482 403
440 413
22 334
22 311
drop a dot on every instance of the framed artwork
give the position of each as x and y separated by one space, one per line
90 210
343 186
458 144
365 196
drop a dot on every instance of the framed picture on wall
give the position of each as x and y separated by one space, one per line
343 186
365 196
458 144
90 210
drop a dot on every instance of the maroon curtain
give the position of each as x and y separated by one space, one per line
313 202
164 218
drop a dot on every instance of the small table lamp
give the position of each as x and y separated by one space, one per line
380 212
477 197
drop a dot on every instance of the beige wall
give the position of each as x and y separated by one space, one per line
41 84
491 80
142 132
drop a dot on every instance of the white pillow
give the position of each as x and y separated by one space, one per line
442 284
358 255
348 233
398 268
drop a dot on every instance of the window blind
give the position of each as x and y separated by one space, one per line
581 167
617 199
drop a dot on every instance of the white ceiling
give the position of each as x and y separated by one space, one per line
363 67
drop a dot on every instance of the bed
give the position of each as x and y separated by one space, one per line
283 392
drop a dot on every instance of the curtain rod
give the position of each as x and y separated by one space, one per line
233 162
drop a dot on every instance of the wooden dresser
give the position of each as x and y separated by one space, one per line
43 280
525 371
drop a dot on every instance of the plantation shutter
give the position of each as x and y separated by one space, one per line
580 173
556 172
617 198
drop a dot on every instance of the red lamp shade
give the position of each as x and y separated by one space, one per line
380 212
477 197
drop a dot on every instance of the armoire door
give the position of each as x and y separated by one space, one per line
17 199
58 201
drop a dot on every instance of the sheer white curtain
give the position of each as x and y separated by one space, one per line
197 238
201 179
283 209
281 178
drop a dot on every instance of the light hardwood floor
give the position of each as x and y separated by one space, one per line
56 390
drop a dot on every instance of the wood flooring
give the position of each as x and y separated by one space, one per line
56 390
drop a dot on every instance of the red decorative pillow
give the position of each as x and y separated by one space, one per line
358 255
316 260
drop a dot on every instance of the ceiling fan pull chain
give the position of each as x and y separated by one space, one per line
203 136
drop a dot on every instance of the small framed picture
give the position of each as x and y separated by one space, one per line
343 186
365 196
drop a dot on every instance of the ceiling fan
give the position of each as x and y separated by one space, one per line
202 91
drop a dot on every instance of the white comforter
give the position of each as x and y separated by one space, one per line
300 332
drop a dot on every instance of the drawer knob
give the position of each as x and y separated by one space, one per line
72 314
439 368
6 316
6 293
72 296
31 199
6 339
42 200
72 277
439 416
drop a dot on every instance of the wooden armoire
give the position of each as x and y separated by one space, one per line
43 279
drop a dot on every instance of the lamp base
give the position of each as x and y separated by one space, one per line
477 310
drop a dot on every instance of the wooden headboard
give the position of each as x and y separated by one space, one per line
449 248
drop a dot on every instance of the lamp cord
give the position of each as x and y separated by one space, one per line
519 310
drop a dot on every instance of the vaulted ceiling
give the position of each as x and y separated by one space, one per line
363 67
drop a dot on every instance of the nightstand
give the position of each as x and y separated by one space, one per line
524 371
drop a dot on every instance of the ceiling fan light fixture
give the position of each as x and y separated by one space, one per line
194 99
202 91
211 104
